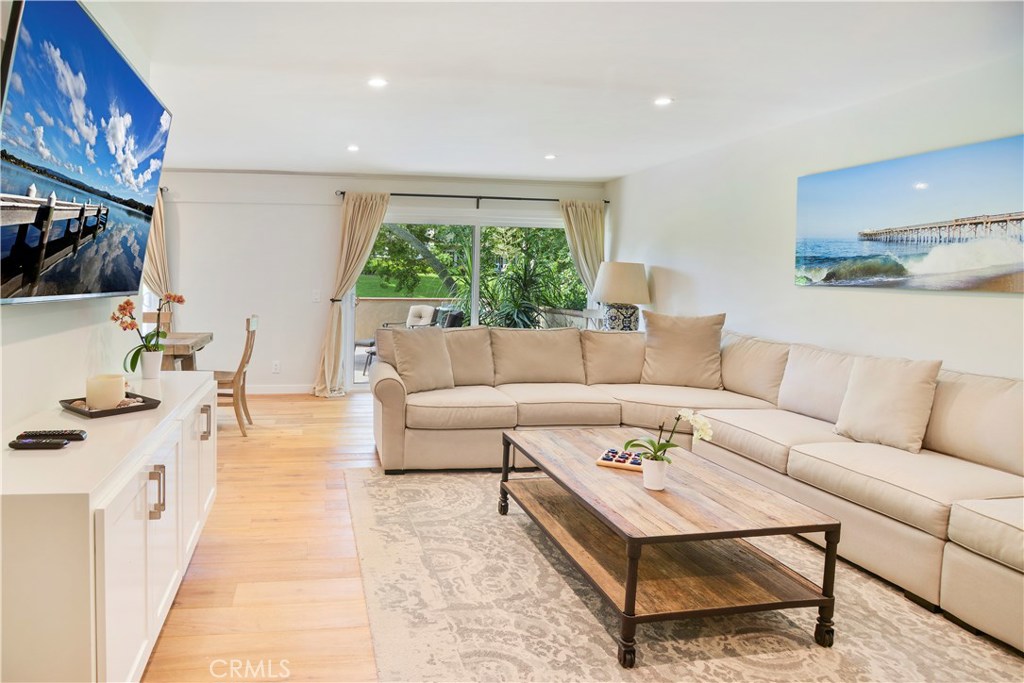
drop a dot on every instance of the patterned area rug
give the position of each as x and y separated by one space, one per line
456 592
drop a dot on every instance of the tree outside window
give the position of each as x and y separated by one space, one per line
523 271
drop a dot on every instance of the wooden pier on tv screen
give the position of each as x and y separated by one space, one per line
21 269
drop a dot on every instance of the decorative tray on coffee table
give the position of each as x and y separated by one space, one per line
77 405
624 460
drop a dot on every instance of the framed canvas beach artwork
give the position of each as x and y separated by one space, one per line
944 220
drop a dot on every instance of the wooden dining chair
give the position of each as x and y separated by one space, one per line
231 383
165 319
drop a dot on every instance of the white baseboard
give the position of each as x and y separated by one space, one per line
255 389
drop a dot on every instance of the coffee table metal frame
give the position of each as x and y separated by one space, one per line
823 597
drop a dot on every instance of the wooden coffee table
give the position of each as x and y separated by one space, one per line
696 562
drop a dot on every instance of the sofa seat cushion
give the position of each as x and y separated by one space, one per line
649 405
914 488
557 403
469 407
766 436
992 528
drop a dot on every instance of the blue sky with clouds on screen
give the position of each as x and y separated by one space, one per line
76 107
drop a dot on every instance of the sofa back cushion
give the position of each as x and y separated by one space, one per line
613 357
978 418
422 359
470 351
888 401
685 352
522 356
753 366
814 382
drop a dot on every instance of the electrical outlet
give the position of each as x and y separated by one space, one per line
275 367
316 296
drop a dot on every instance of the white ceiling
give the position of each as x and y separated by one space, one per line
486 90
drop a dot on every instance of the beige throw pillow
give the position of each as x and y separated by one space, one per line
470 351
753 366
613 357
422 359
684 352
889 401
385 345
814 382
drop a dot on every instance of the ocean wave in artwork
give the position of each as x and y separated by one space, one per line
958 263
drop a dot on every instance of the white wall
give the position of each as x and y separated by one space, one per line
241 243
48 349
717 229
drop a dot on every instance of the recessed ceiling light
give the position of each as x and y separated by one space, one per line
377 82
549 157
353 148
663 101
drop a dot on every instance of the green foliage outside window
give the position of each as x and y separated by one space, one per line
522 270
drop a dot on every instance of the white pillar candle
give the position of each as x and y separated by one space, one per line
104 392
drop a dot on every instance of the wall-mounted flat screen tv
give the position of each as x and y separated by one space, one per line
83 141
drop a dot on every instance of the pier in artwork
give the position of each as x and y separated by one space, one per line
1003 225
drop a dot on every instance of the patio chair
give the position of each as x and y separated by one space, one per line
420 315
453 319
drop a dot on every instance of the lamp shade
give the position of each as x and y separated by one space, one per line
621 283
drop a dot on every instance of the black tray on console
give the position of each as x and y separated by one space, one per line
147 404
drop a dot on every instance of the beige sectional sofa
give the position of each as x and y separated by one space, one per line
944 523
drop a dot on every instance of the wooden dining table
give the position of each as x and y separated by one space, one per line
183 346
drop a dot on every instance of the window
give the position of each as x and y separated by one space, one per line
526 279
418 262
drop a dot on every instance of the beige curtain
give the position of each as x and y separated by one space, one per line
584 230
361 216
155 273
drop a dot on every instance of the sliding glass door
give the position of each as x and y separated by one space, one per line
501 276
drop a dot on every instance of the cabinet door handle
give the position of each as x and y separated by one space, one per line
159 474
207 410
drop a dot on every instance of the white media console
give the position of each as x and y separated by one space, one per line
97 536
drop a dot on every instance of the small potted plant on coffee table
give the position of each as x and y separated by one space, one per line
655 451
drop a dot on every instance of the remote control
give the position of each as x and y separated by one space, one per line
38 444
69 434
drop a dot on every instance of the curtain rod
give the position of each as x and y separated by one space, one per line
477 197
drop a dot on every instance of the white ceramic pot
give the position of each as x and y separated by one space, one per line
655 473
151 361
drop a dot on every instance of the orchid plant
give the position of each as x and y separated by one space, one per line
657 449
125 317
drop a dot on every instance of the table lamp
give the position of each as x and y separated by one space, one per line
620 286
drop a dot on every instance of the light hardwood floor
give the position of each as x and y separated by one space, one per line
275 575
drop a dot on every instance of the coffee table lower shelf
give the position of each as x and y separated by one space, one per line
674 580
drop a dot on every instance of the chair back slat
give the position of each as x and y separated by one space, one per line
251 325
165 319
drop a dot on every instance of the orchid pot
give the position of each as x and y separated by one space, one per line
655 474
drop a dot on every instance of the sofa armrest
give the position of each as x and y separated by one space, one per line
388 391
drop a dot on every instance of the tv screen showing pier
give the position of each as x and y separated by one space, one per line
81 152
